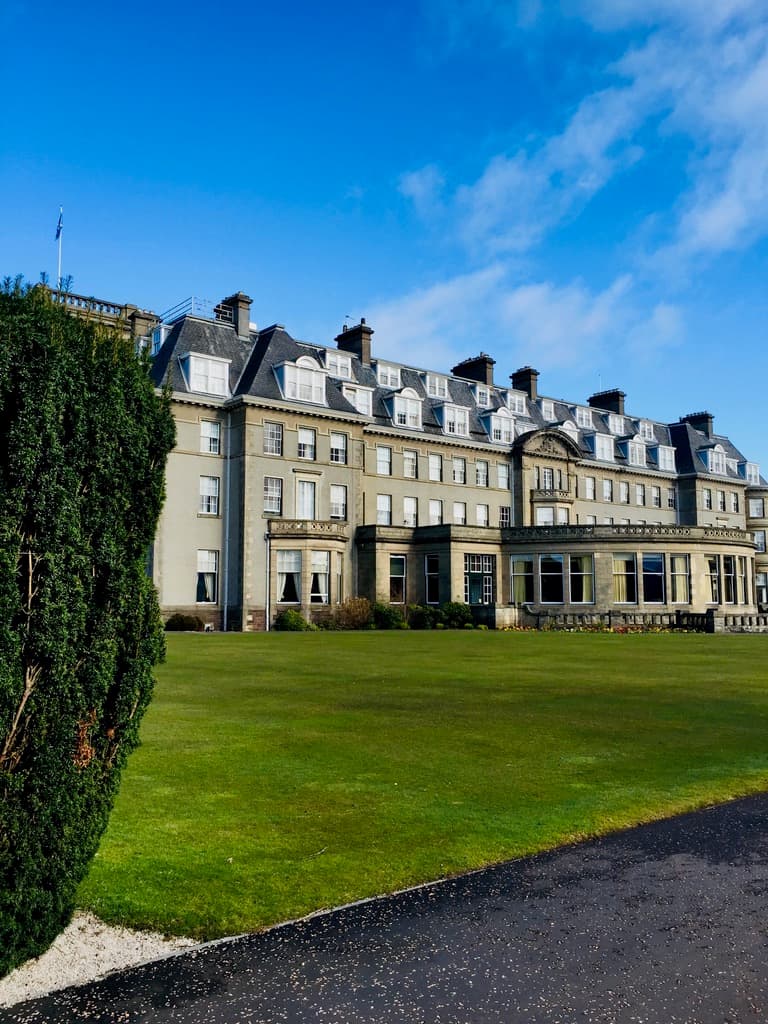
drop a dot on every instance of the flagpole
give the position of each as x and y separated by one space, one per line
58 236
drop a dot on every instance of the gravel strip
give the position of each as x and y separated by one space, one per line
85 951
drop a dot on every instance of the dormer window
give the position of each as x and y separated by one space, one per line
635 451
339 364
570 429
584 418
501 427
302 381
388 376
645 429
482 395
714 459
602 446
206 374
616 424
547 409
516 403
360 398
751 472
437 386
455 420
665 458
406 409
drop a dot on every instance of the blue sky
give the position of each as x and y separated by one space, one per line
581 186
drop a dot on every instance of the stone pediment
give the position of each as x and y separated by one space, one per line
550 444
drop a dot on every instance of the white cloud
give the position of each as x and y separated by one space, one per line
423 188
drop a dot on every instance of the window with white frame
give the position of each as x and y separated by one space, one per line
759 536
437 386
482 395
729 579
547 478
384 509
607 490
460 513
547 409
208 375
655 496
339 558
302 381
338 502
273 495
581 576
545 515
289 577
502 428
482 515
672 498
459 470
209 496
210 437
338 364
551 579
636 453
584 418
721 501
305 499
734 501
505 516
706 496
207 577
521 579
623 492
604 449
716 460
640 495
680 579
383 460
435 467
407 409
653 578
320 565
756 508
616 424
432 579
307 443
479 579
743 597
589 488
504 475
338 448
273 438
624 579
516 403
751 472
646 431
397 588
410 464
562 516
435 511
481 473
665 458
713 572
388 376
411 511
360 398
456 420
761 588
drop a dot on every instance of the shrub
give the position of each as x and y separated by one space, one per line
291 621
456 615
83 444
387 616
424 616
179 623
354 613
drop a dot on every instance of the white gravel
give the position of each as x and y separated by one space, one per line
88 949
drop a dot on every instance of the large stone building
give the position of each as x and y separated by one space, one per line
305 474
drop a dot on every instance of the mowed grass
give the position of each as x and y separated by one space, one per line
283 773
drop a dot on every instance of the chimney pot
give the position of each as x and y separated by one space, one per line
479 368
240 304
356 340
526 379
609 401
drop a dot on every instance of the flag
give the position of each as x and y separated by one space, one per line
60 225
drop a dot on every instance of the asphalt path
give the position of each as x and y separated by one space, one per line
662 924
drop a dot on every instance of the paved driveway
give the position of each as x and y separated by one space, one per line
663 924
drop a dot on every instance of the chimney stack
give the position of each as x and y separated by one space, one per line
526 379
608 401
703 421
240 305
479 368
357 340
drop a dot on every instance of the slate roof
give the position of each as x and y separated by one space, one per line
252 373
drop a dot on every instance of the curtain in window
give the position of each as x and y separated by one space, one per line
306 499
289 576
624 579
318 591
522 580
207 571
679 577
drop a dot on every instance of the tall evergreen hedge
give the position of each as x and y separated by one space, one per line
83 444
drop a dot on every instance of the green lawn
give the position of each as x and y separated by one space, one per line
283 773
